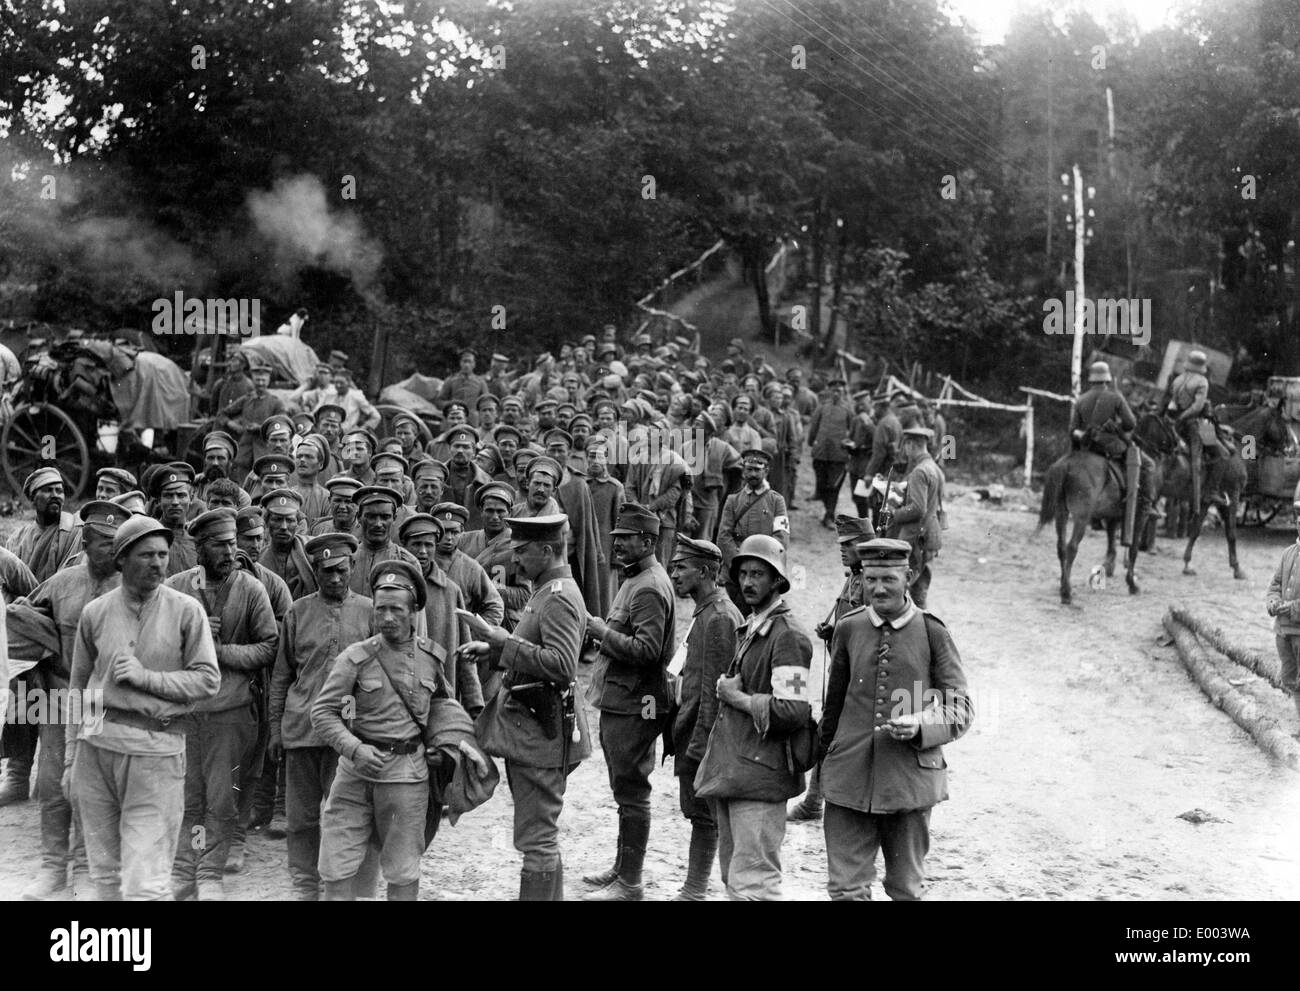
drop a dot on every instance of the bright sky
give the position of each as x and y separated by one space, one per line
991 17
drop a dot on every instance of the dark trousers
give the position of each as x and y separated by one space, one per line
852 840
697 810
18 739
217 747
830 477
629 745
309 772
538 794
859 502
919 561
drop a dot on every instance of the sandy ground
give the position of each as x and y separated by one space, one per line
1089 741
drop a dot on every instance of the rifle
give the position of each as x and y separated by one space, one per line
886 511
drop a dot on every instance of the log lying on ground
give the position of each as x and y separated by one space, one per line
1244 711
1267 666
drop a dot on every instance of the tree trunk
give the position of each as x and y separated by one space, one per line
837 287
818 263
758 265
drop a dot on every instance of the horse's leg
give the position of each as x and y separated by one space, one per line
1130 559
1230 531
1064 551
1197 517
1110 549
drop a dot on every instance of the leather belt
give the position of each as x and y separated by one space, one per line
394 746
157 724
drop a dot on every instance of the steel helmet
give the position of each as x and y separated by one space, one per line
1197 361
1099 372
767 549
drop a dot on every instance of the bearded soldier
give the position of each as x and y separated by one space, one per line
222 740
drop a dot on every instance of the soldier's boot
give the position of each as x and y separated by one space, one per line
604 878
235 859
50 884
627 887
409 892
699 865
339 891
211 891
536 886
16 782
809 809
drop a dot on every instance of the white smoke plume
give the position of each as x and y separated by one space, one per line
296 218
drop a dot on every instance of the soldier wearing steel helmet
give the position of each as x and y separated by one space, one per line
1103 423
763 700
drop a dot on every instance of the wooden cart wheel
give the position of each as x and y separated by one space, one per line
40 434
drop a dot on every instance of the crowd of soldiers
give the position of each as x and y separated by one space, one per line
357 627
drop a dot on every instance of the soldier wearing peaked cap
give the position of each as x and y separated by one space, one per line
285 553
917 520
883 767
430 479
629 683
851 532
317 628
749 770
695 669
420 535
377 510
406 738
110 482
481 595
342 516
245 415
172 487
464 476
490 548
222 750
45 543
537 721
50 613
270 471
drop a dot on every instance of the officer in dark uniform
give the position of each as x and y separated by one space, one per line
630 685
536 722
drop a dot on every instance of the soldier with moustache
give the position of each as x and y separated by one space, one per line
377 508
917 520
851 531
219 450
630 686
440 621
390 683
342 514
223 736
44 545
147 652
491 549
285 554
763 702
537 722
701 660
49 615
756 509
173 488
481 595
317 629
896 693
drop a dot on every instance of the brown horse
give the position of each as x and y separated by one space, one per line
1081 487
1226 476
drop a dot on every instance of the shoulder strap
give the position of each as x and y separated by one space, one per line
378 655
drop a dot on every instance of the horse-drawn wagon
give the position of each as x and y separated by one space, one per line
84 403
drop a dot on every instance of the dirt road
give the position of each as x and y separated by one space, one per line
1089 742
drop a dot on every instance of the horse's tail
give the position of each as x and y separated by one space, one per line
1053 494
